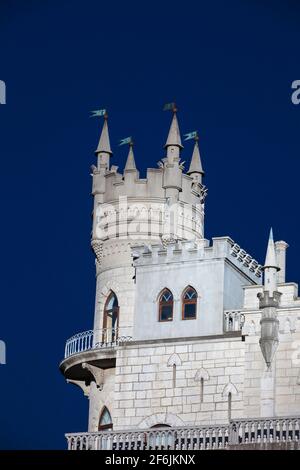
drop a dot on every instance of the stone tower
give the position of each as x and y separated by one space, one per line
167 205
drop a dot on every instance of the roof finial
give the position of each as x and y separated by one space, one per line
104 143
174 138
195 165
130 163
271 261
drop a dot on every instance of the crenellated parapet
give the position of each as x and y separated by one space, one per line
201 250
114 185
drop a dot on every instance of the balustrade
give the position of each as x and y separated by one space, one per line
242 431
103 338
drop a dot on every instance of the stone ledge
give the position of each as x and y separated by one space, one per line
226 336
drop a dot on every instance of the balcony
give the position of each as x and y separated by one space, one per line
98 339
233 320
97 347
244 433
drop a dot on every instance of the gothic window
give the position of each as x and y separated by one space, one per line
110 318
166 305
105 421
189 303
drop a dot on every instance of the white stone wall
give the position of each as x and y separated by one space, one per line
144 392
116 275
207 278
98 399
285 368
210 270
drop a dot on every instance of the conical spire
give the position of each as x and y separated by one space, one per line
271 261
196 165
130 163
104 144
269 301
174 133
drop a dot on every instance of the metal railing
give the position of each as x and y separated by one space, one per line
95 339
233 320
243 431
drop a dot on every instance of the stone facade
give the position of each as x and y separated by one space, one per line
146 390
238 357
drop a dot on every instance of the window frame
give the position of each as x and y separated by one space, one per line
165 304
115 310
185 302
110 334
108 426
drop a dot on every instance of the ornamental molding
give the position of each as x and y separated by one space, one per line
97 246
110 285
169 419
229 388
174 360
201 374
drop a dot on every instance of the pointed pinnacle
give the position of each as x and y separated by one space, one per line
174 133
271 261
196 165
130 163
104 143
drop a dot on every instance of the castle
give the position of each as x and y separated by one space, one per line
195 345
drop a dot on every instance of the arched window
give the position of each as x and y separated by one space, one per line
105 421
166 306
110 318
189 304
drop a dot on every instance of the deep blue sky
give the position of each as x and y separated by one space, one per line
229 66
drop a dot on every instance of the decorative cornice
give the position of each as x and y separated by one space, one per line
97 246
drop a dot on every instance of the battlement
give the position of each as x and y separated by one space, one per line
183 251
113 185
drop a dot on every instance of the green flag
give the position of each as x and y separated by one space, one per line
169 106
191 135
98 112
127 140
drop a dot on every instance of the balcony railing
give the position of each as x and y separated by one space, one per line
244 431
153 439
233 320
264 430
95 339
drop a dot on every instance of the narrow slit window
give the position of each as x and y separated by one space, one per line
201 389
229 405
174 375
